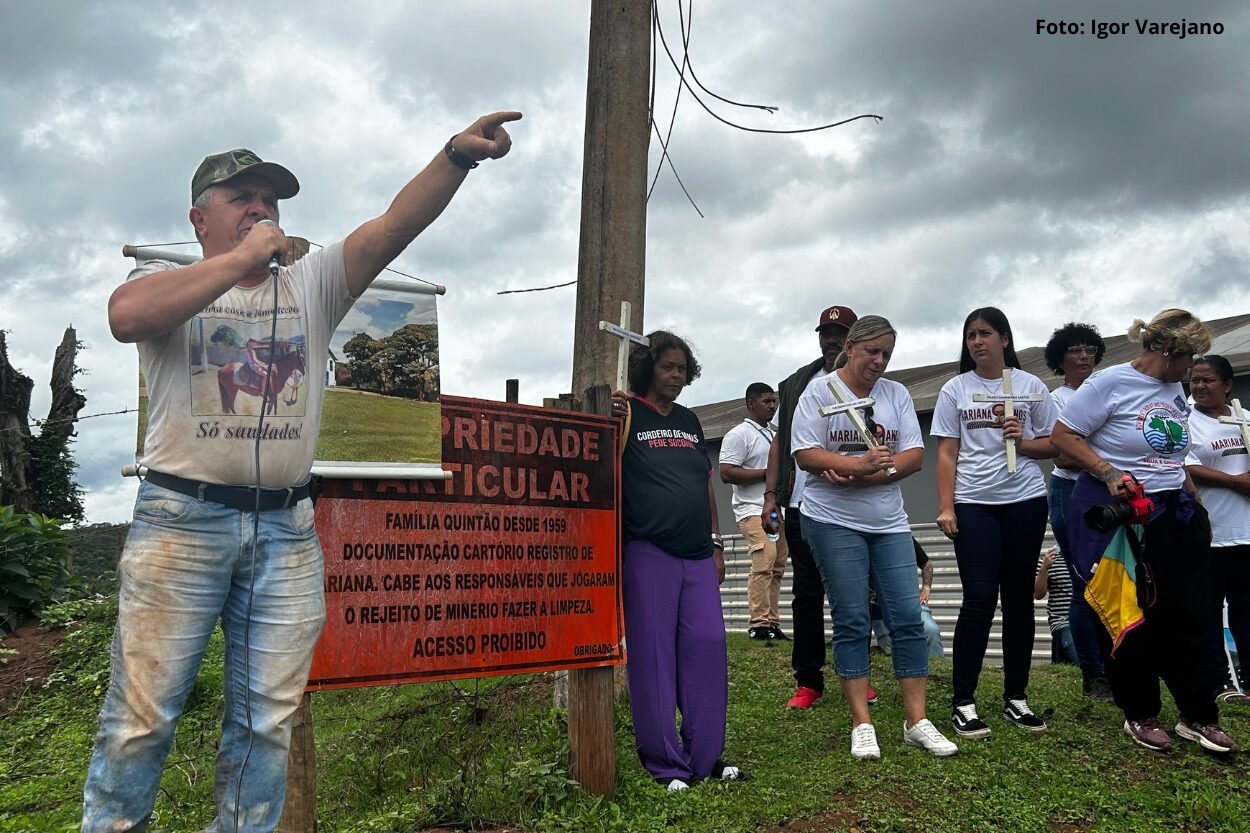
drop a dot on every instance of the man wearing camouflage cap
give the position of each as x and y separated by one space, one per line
223 524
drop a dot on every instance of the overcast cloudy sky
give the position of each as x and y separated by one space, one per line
1055 176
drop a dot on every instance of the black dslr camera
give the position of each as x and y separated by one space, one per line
1136 508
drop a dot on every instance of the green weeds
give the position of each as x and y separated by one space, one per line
493 753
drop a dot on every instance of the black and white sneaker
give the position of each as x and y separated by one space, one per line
966 722
1019 713
760 633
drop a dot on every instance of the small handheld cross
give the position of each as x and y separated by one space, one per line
626 335
1009 401
854 408
1239 419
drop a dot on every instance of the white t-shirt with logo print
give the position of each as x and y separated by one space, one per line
981 474
1218 445
1135 422
873 509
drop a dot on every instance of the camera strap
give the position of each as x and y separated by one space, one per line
1147 591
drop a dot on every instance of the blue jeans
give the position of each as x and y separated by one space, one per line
1064 635
932 633
186 564
1088 633
848 560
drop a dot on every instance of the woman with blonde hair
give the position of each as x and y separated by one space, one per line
1138 534
853 518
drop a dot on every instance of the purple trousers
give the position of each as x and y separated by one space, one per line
675 636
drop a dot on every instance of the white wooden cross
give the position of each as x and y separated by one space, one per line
854 408
626 335
1009 401
1239 419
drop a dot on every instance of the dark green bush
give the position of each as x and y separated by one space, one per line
33 564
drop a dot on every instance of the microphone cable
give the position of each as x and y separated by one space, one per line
251 588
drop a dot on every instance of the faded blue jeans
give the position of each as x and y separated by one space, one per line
187 563
932 633
848 560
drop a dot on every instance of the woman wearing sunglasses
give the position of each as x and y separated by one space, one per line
854 521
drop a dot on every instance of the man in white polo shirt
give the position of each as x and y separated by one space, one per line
744 464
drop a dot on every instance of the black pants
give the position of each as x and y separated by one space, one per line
997 548
1230 578
807 650
1173 642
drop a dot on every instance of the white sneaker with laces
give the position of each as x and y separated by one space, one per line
864 743
677 785
925 735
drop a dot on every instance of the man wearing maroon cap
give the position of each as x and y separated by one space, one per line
783 491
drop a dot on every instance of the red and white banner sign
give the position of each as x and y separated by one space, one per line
510 566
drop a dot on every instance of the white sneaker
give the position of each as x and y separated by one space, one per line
677 785
924 734
864 743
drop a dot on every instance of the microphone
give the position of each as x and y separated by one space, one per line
273 260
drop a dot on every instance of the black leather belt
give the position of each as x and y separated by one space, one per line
236 497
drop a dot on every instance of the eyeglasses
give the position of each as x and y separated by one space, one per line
1082 350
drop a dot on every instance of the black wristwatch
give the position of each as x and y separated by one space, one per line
457 158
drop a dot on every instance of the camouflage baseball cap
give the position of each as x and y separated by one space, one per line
220 167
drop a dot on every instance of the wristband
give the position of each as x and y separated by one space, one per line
770 491
457 158
717 541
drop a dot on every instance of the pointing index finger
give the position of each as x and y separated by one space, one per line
496 119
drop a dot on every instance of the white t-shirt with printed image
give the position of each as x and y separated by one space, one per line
747 445
1135 422
981 474
1220 446
873 509
202 421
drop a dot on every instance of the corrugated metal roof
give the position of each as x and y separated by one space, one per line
1232 341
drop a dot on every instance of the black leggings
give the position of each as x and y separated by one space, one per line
997 548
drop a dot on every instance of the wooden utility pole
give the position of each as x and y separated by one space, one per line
299 813
613 246
610 267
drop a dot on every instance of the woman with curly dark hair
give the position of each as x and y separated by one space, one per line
1074 350
671 567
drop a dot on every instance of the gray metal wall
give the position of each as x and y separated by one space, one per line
944 599
919 490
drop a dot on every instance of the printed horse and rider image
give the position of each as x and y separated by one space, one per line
229 360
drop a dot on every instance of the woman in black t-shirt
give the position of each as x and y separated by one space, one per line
671 568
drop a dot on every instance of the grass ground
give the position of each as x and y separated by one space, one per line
492 754
365 427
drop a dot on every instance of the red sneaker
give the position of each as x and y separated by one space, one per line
872 696
804 698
